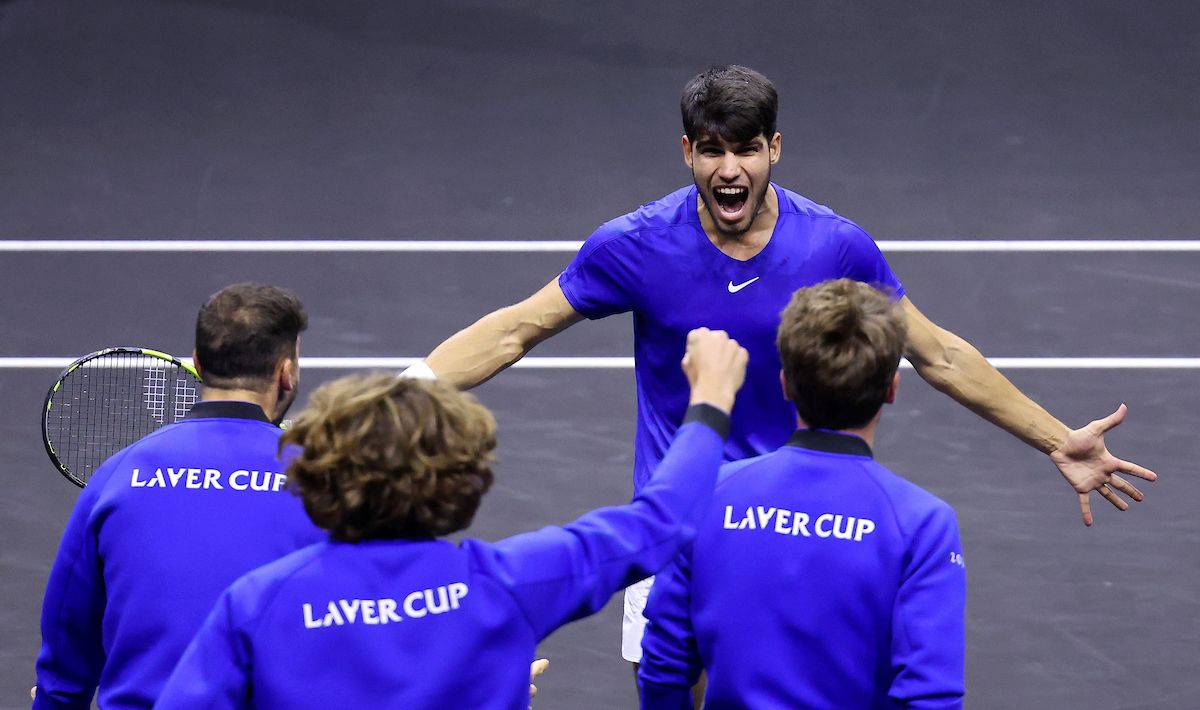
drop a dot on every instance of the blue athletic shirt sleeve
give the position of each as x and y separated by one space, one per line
559 574
72 653
928 637
602 279
862 260
214 672
670 658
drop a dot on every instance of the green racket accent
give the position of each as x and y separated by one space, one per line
109 399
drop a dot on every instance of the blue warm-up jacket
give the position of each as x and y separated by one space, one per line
431 624
158 533
817 579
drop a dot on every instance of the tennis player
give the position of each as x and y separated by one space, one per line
387 614
727 252
817 578
166 524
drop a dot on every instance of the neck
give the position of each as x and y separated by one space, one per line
865 432
266 400
743 245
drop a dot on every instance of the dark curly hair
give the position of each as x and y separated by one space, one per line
388 457
731 102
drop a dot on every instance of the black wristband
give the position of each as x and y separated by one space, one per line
709 416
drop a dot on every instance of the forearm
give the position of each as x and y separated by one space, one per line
475 354
957 369
478 352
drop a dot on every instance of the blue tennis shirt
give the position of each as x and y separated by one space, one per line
658 263
817 579
431 624
158 533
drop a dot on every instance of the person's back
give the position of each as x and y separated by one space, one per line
796 577
175 518
166 524
386 614
818 578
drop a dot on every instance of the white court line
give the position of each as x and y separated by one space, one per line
432 246
626 363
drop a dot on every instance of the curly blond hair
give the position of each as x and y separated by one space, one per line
387 457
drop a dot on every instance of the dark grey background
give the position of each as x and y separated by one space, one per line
540 120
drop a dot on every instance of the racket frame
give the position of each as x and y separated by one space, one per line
62 376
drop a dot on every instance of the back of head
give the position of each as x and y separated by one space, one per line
390 457
243 331
840 342
731 102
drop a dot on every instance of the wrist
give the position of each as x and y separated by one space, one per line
419 370
716 398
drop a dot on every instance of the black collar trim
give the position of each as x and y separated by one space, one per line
830 442
228 409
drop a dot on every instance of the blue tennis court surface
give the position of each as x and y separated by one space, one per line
266 119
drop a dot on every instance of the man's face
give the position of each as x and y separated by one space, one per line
732 178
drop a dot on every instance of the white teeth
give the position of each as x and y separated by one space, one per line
730 190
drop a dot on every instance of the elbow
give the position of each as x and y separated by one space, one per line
942 367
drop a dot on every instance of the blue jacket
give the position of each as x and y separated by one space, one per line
818 579
160 530
430 624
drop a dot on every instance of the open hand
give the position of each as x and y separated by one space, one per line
1085 462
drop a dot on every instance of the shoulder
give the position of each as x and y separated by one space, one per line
733 468
258 586
628 230
813 212
915 508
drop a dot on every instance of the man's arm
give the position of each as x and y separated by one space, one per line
670 659
72 653
957 369
928 634
559 574
475 354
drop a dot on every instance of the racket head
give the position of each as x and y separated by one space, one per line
106 400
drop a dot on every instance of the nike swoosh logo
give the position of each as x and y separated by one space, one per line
735 288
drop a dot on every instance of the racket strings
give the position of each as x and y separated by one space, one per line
111 401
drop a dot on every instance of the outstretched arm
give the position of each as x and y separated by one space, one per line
559 574
475 354
957 369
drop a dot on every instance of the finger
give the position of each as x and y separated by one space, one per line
1133 469
1103 425
1125 487
1111 496
1085 506
538 667
532 691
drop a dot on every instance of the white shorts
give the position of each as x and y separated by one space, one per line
633 625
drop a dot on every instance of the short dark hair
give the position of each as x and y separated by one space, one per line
243 331
731 102
390 457
840 342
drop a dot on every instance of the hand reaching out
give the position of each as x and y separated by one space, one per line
1085 462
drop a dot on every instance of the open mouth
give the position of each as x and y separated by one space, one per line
731 200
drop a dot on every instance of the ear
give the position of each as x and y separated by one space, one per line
775 147
196 364
687 151
783 386
287 374
891 393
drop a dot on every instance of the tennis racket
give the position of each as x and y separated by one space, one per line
109 399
